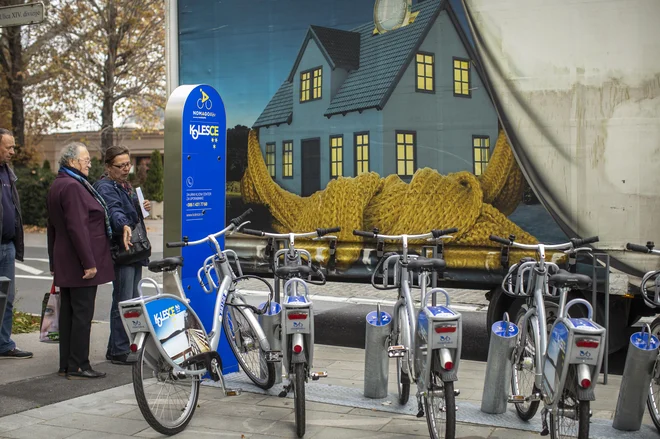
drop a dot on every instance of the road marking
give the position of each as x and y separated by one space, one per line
27 268
37 259
320 298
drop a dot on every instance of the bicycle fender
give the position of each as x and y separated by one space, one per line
298 358
586 394
449 375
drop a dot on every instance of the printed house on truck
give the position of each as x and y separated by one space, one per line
358 101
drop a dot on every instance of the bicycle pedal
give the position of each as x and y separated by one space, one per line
517 399
420 413
316 375
273 356
232 392
545 431
457 392
396 351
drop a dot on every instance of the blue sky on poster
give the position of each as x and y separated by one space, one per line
246 48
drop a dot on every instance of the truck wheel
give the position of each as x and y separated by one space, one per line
499 303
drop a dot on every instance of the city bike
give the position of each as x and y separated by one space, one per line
173 348
559 369
297 322
425 342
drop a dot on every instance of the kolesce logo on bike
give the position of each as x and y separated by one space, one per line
165 314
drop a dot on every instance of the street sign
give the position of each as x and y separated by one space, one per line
30 13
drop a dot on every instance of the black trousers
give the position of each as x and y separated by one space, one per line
76 313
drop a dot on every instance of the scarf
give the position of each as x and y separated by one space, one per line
83 180
123 184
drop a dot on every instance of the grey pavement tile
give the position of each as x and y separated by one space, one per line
235 409
469 431
215 393
87 434
13 422
346 365
377 413
342 420
197 432
411 426
98 423
40 431
250 426
309 405
344 433
51 411
507 433
108 410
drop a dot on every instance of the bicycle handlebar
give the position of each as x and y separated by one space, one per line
233 225
435 233
572 245
319 233
648 248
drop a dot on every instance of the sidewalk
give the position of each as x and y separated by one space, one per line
335 406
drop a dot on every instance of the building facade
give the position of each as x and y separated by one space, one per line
358 101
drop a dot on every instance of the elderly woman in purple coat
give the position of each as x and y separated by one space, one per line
79 253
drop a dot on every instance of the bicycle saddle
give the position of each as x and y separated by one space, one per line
427 264
166 264
288 271
565 279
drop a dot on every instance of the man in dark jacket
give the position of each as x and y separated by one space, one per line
12 245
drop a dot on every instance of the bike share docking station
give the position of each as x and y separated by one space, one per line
195 191
376 360
498 366
637 374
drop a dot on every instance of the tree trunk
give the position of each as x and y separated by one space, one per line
107 112
15 86
107 123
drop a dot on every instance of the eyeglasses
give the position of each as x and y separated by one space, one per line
123 165
85 161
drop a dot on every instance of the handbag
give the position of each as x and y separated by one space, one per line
140 250
49 330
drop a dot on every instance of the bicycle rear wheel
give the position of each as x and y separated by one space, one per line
244 342
440 410
166 399
524 369
653 399
299 397
572 420
402 377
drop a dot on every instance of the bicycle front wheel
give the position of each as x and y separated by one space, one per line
572 419
524 369
440 408
299 397
166 399
244 342
653 400
402 377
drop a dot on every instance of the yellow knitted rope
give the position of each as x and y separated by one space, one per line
477 206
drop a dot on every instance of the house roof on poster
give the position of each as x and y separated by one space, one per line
375 63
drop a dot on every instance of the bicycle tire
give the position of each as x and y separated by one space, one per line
260 372
653 398
402 378
299 397
151 416
556 431
524 412
433 415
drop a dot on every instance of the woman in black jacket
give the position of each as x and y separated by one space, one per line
124 212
